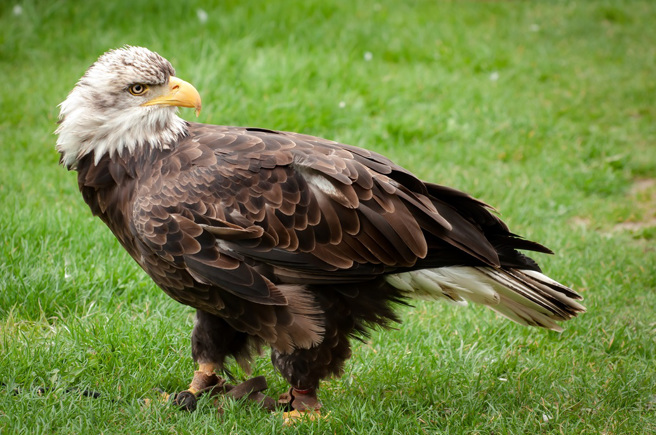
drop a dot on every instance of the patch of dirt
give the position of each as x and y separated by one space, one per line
635 226
642 198
643 185
643 192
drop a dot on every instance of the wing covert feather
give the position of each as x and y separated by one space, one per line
236 199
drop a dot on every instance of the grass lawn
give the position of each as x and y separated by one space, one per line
545 110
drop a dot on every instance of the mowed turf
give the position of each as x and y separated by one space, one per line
543 109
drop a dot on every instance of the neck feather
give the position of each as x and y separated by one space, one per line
103 132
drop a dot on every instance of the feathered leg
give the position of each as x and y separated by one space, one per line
304 368
347 312
212 341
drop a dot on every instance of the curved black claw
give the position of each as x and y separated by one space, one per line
186 401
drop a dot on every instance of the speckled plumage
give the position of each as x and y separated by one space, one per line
281 238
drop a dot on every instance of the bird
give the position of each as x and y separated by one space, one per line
280 239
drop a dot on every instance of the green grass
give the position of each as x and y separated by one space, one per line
543 109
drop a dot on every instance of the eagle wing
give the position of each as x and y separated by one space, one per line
245 210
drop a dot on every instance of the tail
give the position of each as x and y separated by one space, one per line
527 297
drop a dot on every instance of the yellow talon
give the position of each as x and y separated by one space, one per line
292 417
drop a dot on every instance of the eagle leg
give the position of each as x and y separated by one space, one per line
305 368
205 377
204 380
212 341
345 316
300 405
300 400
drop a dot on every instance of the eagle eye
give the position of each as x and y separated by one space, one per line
138 89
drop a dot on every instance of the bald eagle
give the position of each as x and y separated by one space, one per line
277 238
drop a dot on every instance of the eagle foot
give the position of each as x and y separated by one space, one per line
300 400
185 400
209 383
202 382
216 387
301 405
292 417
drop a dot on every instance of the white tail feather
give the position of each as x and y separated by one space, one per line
524 296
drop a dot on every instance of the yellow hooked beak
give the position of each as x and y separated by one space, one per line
180 93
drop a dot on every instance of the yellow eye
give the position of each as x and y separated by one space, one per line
138 89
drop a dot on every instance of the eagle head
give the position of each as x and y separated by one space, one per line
126 100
